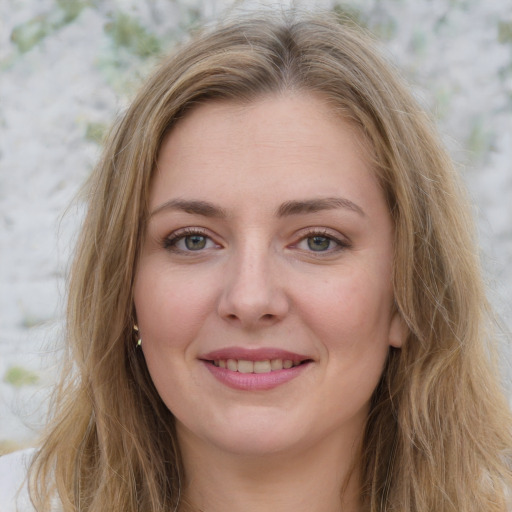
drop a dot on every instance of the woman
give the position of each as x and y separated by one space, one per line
276 302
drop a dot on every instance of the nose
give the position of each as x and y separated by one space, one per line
253 292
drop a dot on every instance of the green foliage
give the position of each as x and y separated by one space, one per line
505 32
18 377
191 18
127 32
345 11
26 35
30 321
383 25
385 29
479 140
95 132
419 42
443 98
71 9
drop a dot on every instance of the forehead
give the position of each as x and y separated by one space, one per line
295 142
255 115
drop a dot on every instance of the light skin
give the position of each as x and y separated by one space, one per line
268 231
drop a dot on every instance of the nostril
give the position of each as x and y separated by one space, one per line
267 317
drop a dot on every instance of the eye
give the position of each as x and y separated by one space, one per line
194 242
189 240
321 242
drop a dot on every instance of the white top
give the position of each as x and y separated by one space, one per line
14 495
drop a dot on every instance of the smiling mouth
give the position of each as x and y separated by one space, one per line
264 366
255 369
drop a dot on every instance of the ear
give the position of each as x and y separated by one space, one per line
397 330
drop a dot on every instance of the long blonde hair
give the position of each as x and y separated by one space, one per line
438 434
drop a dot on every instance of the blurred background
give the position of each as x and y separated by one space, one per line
69 67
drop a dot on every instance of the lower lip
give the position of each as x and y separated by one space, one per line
255 381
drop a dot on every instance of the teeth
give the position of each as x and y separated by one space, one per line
245 366
261 366
265 366
276 364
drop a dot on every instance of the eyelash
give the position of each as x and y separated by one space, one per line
341 244
170 242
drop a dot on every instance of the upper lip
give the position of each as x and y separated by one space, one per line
255 354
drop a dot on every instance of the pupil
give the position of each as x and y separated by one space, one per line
318 243
195 242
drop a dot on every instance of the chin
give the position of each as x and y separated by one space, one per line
257 444
248 437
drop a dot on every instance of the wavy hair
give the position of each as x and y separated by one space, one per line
438 434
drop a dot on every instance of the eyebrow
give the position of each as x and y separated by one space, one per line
203 208
295 207
316 205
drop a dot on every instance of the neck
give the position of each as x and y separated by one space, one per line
322 478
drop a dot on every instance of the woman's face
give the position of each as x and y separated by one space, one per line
263 292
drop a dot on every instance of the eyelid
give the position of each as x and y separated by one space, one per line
170 241
342 242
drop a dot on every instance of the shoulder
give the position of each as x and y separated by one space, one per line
13 486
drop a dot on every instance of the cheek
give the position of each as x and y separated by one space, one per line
171 310
351 310
170 306
351 322
354 325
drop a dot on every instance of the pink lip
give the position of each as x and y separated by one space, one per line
254 381
256 354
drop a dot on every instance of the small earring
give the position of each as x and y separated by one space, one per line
139 339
